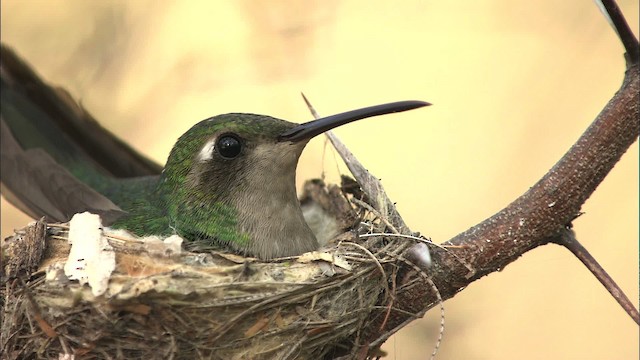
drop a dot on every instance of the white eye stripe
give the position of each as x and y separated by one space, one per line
206 153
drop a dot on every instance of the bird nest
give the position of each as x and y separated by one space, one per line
159 301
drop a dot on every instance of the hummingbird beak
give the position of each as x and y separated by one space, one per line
316 127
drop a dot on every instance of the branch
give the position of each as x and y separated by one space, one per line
536 217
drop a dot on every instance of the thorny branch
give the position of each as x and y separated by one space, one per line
543 214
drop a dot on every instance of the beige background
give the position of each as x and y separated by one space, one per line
514 84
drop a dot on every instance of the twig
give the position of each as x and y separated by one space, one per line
412 316
376 261
376 213
369 183
567 238
428 242
611 10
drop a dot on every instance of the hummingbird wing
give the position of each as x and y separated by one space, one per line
109 153
36 184
48 140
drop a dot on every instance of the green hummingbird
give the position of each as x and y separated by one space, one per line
229 181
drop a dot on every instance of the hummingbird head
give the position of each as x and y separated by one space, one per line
230 181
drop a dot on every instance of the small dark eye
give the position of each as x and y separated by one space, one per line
228 146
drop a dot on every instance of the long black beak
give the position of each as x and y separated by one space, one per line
316 127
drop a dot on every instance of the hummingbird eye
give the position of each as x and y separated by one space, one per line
228 146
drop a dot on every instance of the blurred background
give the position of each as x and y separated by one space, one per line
513 83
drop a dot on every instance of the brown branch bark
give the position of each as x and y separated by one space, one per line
534 218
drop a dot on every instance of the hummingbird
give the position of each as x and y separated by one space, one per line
228 183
